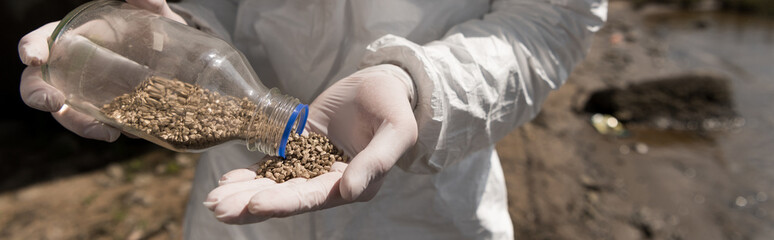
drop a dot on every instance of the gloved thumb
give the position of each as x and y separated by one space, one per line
363 176
85 125
37 94
33 47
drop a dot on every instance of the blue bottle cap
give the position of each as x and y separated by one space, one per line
302 111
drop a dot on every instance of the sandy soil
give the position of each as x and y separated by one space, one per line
565 180
122 201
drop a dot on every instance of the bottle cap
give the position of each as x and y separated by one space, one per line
301 112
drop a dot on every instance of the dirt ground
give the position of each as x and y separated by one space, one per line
565 180
122 201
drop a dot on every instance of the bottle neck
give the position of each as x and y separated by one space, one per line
274 119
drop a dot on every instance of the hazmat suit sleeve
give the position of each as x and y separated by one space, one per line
487 76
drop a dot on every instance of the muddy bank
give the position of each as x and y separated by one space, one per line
566 181
758 7
686 102
143 198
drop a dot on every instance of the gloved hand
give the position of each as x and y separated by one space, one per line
36 93
369 115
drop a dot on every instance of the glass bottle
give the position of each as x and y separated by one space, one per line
166 82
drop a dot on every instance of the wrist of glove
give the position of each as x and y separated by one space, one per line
401 75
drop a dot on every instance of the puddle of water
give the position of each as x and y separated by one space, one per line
741 48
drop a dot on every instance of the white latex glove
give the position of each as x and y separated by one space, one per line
369 115
36 93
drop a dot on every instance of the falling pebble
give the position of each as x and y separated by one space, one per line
641 148
741 201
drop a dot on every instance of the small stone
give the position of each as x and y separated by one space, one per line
641 148
160 169
142 179
740 201
312 155
115 171
592 197
586 180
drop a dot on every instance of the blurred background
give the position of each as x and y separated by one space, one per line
663 132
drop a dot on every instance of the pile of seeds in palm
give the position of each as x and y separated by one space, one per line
305 156
184 115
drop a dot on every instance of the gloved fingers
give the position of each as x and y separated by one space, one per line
230 201
316 193
237 176
85 125
159 7
369 166
223 192
33 47
37 93
233 209
242 174
339 167
370 191
244 179
402 76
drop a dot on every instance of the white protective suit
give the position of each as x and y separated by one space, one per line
480 67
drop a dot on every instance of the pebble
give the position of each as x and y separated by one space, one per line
184 159
139 198
741 201
592 197
142 179
641 148
115 171
307 157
